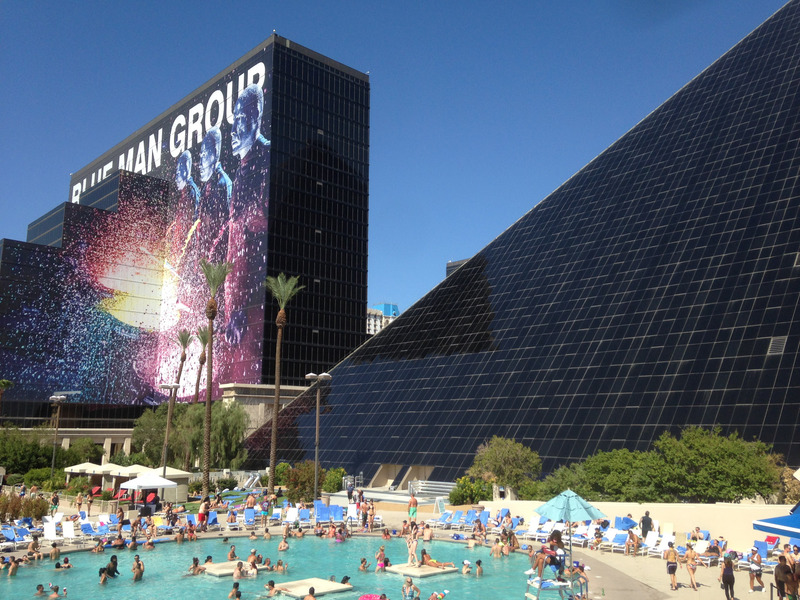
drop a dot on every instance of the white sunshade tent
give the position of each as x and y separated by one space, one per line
149 481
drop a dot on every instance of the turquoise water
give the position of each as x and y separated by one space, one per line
165 569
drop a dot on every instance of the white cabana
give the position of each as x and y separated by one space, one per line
85 468
181 478
148 481
131 471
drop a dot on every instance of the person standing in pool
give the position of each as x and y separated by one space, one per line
138 568
310 595
410 591
112 568
411 542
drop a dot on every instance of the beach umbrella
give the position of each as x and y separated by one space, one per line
568 507
788 525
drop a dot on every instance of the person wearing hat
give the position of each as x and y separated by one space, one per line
252 560
346 580
671 556
755 569
466 569
410 591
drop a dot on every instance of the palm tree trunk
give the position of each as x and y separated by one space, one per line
170 409
273 447
207 420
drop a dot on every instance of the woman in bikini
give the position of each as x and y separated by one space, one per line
432 562
690 558
380 559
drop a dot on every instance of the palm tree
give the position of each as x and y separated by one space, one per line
282 290
215 274
184 338
5 384
202 336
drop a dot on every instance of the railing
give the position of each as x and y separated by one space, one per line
421 487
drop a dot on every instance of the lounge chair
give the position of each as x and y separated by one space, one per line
68 531
322 514
291 515
249 518
662 546
618 543
440 521
304 515
608 538
213 520
544 531
337 515
454 519
353 518
650 541
467 522
87 531
50 534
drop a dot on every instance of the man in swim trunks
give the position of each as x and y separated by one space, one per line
412 508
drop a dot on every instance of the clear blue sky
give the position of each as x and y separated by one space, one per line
479 109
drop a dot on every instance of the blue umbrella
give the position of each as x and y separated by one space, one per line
569 507
788 525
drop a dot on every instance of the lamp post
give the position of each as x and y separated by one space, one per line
319 379
57 398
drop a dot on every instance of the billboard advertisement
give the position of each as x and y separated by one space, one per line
138 267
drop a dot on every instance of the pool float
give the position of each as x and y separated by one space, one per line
370 597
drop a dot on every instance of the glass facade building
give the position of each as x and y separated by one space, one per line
266 166
657 288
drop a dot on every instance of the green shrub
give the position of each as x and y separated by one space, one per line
78 485
470 491
15 479
226 482
14 508
38 476
333 480
282 473
106 496
4 500
195 487
301 482
59 482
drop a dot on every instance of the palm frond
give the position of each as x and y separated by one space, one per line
202 336
283 289
215 274
183 338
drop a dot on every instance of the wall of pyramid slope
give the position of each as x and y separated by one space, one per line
657 288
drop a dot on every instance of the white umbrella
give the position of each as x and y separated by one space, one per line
150 481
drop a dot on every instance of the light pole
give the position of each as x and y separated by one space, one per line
57 398
319 379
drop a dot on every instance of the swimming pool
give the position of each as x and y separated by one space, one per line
167 565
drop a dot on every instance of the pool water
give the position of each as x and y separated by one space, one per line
167 565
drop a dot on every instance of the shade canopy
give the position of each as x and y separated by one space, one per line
149 481
788 525
84 467
105 469
131 471
569 506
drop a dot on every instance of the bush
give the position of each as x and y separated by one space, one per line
14 508
56 483
301 482
470 491
15 479
195 487
4 500
333 480
78 485
282 473
106 496
35 508
39 476
225 483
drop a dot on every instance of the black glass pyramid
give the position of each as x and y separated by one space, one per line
656 288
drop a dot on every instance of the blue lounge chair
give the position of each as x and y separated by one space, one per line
337 514
213 520
440 522
304 516
454 519
250 518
